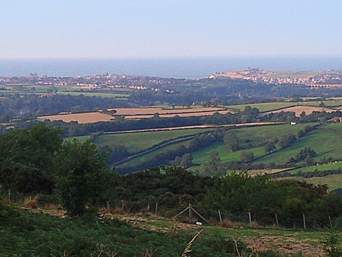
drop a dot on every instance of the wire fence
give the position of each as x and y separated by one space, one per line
193 213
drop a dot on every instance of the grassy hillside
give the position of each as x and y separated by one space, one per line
266 107
150 155
324 142
139 141
82 139
257 134
263 107
225 155
332 181
322 167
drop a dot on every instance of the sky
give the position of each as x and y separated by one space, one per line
169 29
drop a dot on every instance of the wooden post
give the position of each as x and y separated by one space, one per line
250 219
189 212
9 194
181 212
122 205
156 211
219 213
330 222
276 218
304 221
199 215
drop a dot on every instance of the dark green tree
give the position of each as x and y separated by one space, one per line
231 140
26 158
246 156
82 176
214 158
186 160
269 147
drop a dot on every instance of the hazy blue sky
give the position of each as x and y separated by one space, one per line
174 28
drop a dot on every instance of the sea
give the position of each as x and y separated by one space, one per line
162 67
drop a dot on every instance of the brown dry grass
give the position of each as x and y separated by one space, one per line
285 245
226 223
31 202
265 171
81 118
111 210
133 113
299 109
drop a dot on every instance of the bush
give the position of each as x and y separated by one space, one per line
82 177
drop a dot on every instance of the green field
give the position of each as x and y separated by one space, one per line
264 107
258 134
324 142
150 155
334 127
201 156
332 181
101 94
136 142
322 167
139 141
119 93
81 139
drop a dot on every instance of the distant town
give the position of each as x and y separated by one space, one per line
314 79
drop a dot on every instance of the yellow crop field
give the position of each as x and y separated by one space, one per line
307 109
81 118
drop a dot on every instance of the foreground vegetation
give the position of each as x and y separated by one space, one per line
28 234
73 176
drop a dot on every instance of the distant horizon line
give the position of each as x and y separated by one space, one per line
173 57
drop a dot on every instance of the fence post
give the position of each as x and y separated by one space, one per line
276 218
304 221
330 222
219 213
250 219
156 208
123 205
189 213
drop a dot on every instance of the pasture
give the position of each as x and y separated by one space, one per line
263 107
319 167
299 109
332 181
136 142
283 106
146 157
325 143
91 94
146 113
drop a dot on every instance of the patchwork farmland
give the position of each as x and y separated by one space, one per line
133 113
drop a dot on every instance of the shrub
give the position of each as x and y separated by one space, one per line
82 177
31 202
